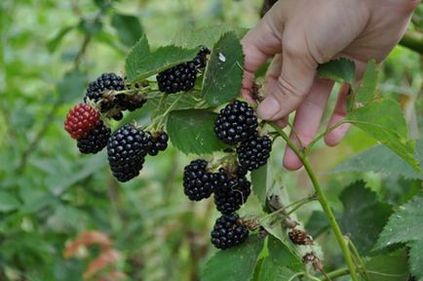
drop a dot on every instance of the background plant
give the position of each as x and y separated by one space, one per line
50 194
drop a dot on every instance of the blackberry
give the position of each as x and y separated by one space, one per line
299 237
198 182
158 143
178 78
231 193
200 60
81 119
117 116
126 150
130 102
98 90
236 122
228 232
95 140
254 152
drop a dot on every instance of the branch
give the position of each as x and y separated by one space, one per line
323 202
413 40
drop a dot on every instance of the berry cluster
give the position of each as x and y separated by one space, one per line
182 76
231 191
105 98
84 124
236 125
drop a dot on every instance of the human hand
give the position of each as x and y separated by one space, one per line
300 34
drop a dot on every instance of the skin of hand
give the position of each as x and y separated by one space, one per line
300 35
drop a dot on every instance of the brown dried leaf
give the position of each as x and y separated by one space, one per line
87 238
105 259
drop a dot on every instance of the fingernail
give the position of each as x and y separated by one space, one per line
268 108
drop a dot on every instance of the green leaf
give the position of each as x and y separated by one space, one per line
383 120
281 255
389 267
191 131
375 159
340 70
207 36
271 271
416 258
364 216
8 202
54 42
317 223
234 264
223 76
403 226
259 181
367 90
72 86
142 63
128 27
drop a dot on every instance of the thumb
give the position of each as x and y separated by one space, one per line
259 44
293 84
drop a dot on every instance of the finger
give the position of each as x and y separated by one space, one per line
296 78
307 120
272 74
258 45
335 136
282 123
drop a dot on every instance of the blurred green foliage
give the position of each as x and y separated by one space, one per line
49 193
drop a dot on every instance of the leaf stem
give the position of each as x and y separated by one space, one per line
323 202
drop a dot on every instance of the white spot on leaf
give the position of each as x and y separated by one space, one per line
222 57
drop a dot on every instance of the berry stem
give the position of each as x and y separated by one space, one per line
323 202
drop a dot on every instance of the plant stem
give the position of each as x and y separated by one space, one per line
413 40
337 273
323 202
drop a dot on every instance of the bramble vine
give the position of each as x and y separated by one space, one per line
194 104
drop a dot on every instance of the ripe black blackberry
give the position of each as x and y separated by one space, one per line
200 60
178 78
126 150
198 182
236 122
231 193
98 90
228 232
254 152
95 140
158 143
130 102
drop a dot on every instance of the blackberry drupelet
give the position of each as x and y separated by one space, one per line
254 152
236 122
81 119
231 193
98 90
95 140
158 143
126 150
178 78
198 182
200 60
228 232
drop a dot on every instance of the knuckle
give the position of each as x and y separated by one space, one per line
287 89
